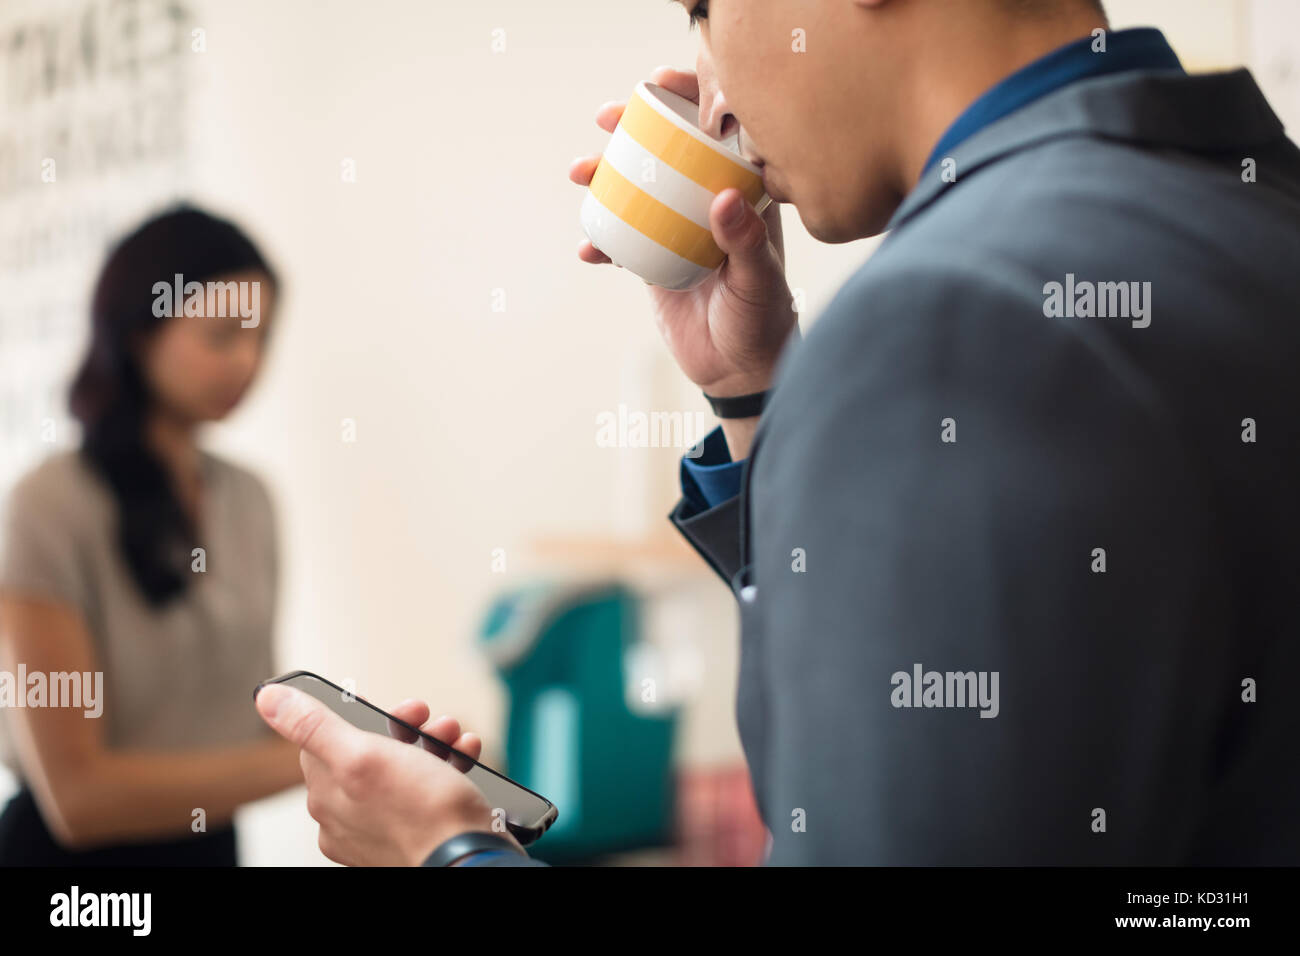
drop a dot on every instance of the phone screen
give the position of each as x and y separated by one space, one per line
527 814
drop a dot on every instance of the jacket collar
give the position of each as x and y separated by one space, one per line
1204 113
1152 108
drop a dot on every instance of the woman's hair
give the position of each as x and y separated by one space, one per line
110 396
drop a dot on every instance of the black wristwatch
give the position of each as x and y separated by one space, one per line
461 846
738 406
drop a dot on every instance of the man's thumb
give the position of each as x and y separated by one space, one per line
300 718
741 233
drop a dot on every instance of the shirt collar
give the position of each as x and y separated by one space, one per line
1143 48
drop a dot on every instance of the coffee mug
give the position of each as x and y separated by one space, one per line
647 207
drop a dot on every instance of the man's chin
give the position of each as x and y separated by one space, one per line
832 231
836 229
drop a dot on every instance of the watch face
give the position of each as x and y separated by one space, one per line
459 847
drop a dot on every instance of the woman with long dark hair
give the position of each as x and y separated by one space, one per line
139 572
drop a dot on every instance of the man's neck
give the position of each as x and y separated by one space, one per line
963 60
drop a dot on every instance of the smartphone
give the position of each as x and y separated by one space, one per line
527 815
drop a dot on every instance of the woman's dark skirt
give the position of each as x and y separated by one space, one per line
26 841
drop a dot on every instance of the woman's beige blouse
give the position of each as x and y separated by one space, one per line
176 677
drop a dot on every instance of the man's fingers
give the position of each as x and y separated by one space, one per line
305 722
609 114
589 253
470 745
582 169
414 712
445 728
682 82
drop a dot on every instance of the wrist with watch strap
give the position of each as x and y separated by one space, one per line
472 843
738 406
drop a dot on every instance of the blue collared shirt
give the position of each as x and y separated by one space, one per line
1143 48
712 477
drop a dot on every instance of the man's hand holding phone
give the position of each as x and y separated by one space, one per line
378 800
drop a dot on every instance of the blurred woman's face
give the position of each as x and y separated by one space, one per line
199 367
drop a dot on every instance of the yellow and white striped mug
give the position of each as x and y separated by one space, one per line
647 207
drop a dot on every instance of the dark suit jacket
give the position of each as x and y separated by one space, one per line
954 477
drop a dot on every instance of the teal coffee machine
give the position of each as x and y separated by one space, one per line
565 653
